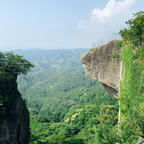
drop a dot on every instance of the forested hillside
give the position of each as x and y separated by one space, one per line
53 60
65 106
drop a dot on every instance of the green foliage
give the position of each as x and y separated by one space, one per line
87 124
119 44
132 84
131 98
50 94
135 31
65 106
14 64
10 66
52 97
116 56
92 49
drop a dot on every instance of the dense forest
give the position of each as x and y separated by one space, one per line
65 106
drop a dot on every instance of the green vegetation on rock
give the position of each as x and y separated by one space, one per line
10 67
14 116
92 49
135 31
131 90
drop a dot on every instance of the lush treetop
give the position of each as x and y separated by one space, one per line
134 33
14 64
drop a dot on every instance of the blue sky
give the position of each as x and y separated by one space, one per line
62 23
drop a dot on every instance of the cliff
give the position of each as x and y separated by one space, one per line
103 64
125 76
14 116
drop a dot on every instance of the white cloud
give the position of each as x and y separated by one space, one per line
105 23
111 9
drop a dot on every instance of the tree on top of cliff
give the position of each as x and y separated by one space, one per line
14 64
134 33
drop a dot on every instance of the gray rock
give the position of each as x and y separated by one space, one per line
103 64
14 116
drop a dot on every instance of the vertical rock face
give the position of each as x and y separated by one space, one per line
103 64
14 116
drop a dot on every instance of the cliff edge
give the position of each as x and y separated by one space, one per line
103 64
14 116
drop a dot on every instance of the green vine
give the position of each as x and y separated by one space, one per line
131 95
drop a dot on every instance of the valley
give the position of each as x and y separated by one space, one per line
65 106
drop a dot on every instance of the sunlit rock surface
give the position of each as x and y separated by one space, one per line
103 64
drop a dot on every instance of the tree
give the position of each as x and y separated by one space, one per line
134 33
14 64
10 67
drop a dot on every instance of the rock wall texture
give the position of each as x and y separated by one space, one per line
103 64
14 116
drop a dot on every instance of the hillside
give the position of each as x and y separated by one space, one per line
53 60
54 96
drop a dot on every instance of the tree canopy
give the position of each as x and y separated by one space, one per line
134 33
14 64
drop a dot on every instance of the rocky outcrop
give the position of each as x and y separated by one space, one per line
103 64
14 116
